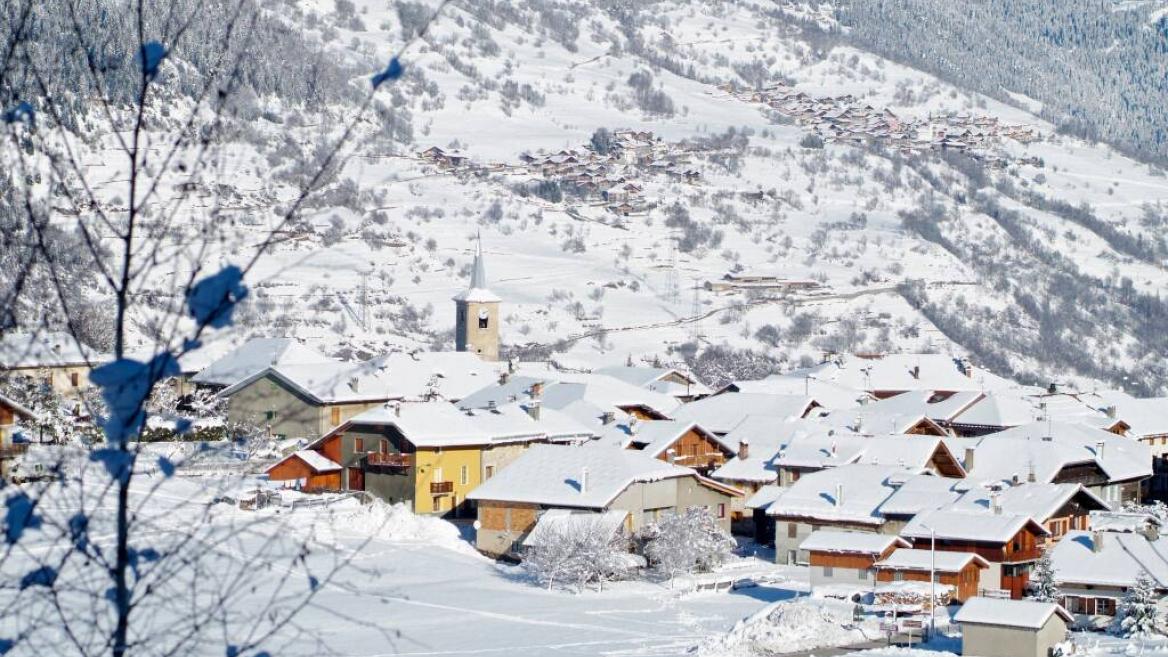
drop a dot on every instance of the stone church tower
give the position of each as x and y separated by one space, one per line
476 326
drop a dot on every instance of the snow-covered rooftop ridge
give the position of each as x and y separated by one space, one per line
1045 448
1027 614
559 389
45 349
960 525
852 542
903 372
1107 558
829 394
256 355
942 560
442 424
722 413
655 437
764 436
329 382
1037 500
573 477
851 493
657 379
317 461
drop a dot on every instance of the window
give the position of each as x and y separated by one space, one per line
792 530
270 415
1105 606
490 471
484 318
828 571
864 573
335 415
898 576
384 446
75 379
464 476
721 510
438 474
358 444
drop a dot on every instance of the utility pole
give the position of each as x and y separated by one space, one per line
672 285
696 311
365 300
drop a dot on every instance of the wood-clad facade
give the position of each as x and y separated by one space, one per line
294 468
965 583
1010 562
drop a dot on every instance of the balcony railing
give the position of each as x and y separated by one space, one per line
439 487
390 460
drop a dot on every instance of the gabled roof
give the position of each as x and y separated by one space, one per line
255 355
17 408
1119 560
553 475
563 388
721 413
1002 455
918 494
653 378
851 542
46 349
898 414
829 394
1001 408
901 372
441 424
329 382
764 435
1027 614
316 461
655 437
972 526
451 374
816 495
1146 417
1040 501
942 561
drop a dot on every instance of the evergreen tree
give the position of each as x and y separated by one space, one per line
1137 612
1042 586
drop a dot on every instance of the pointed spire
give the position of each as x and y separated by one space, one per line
478 279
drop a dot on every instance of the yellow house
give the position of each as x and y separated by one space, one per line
431 455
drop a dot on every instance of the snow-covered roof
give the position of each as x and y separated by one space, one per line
256 355
1118 561
764 435
329 382
1040 501
645 377
964 525
17 408
901 372
315 460
1002 408
554 475
764 496
1027 614
554 521
917 494
45 349
563 388
721 413
829 394
940 560
1146 417
897 414
1014 452
654 437
817 495
451 374
851 542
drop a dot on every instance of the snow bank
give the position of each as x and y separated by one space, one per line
395 523
789 626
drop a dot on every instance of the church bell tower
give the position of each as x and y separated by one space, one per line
476 326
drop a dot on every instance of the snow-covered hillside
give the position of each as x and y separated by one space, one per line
927 217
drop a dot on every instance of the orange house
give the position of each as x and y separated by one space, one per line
961 571
311 471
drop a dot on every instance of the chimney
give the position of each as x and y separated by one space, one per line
1096 541
584 480
1052 388
1111 411
536 390
858 425
969 454
397 409
996 503
1099 445
833 448
1015 480
491 405
353 384
839 494
1030 476
916 371
533 407
743 449
504 377
633 426
1151 531
608 417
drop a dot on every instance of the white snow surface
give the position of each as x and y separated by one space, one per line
789 626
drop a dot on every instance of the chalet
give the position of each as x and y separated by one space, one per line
1059 508
10 412
1094 569
548 477
1111 467
622 209
959 571
296 401
830 396
670 381
721 413
891 374
1011 628
429 454
444 158
757 439
57 359
682 443
1009 542
254 356
847 498
808 452
847 558
307 470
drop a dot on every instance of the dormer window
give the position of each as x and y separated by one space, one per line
484 318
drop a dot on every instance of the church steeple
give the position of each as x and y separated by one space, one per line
477 312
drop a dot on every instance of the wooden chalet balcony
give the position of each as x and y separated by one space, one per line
389 460
12 451
439 487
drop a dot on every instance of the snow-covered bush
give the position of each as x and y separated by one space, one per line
691 541
579 552
1137 613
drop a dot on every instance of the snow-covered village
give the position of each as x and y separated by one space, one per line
580 327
